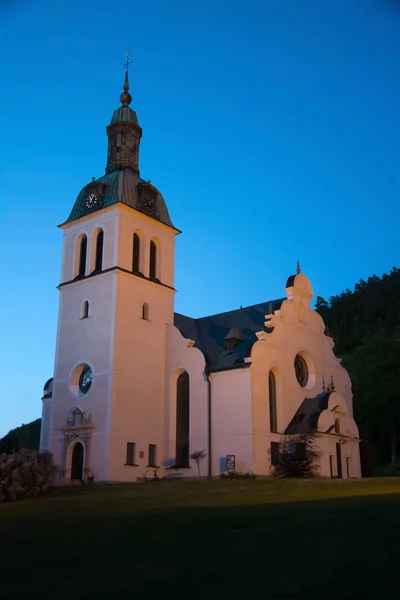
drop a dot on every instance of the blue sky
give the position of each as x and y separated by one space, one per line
271 128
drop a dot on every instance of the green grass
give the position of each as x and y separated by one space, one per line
221 539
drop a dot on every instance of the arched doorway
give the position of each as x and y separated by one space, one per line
77 461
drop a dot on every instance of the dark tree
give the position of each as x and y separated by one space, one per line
297 457
365 325
26 436
9 443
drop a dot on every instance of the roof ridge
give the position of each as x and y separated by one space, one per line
226 312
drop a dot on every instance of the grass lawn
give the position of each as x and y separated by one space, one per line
220 539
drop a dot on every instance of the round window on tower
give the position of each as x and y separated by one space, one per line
80 380
301 370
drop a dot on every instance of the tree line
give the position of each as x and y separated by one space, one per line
365 324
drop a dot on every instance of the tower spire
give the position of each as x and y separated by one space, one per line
298 267
124 132
125 97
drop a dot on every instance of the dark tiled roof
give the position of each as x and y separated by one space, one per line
48 388
210 333
306 418
121 186
290 281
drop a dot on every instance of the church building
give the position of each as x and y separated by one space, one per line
137 386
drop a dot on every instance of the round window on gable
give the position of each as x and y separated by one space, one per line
301 370
80 380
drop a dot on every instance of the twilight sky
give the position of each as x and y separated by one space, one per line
270 126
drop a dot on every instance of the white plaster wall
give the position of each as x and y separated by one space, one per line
297 328
106 220
45 425
139 356
87 341
349 450
131 221
181 357
231 419
138 385
127 354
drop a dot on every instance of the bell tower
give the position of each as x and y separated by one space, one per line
124 135
116 298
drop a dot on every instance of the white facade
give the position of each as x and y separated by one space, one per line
116 328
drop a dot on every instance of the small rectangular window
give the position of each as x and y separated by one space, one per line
274 453
152 455
130 453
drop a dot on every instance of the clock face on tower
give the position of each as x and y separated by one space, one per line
149 204
91 200
85 380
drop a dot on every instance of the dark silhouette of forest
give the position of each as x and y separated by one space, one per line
365 324
26 436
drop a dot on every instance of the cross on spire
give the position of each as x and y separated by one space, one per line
128 62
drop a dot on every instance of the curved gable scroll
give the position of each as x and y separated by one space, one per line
337 412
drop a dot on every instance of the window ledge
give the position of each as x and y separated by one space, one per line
130 465
179 467
153 467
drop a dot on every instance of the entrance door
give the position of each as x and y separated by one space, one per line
339 460
77 461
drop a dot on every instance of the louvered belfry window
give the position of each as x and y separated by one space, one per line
153 260
136 254
82 257
99 251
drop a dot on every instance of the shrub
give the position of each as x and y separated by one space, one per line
297 457
238 475
24 475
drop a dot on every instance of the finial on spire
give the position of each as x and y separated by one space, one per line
125 97
298 267
127 61
271 310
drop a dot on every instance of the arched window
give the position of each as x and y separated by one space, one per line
337 426
82 257
145 311
85 310
182 420
136 254
153 260
273 421
99 251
